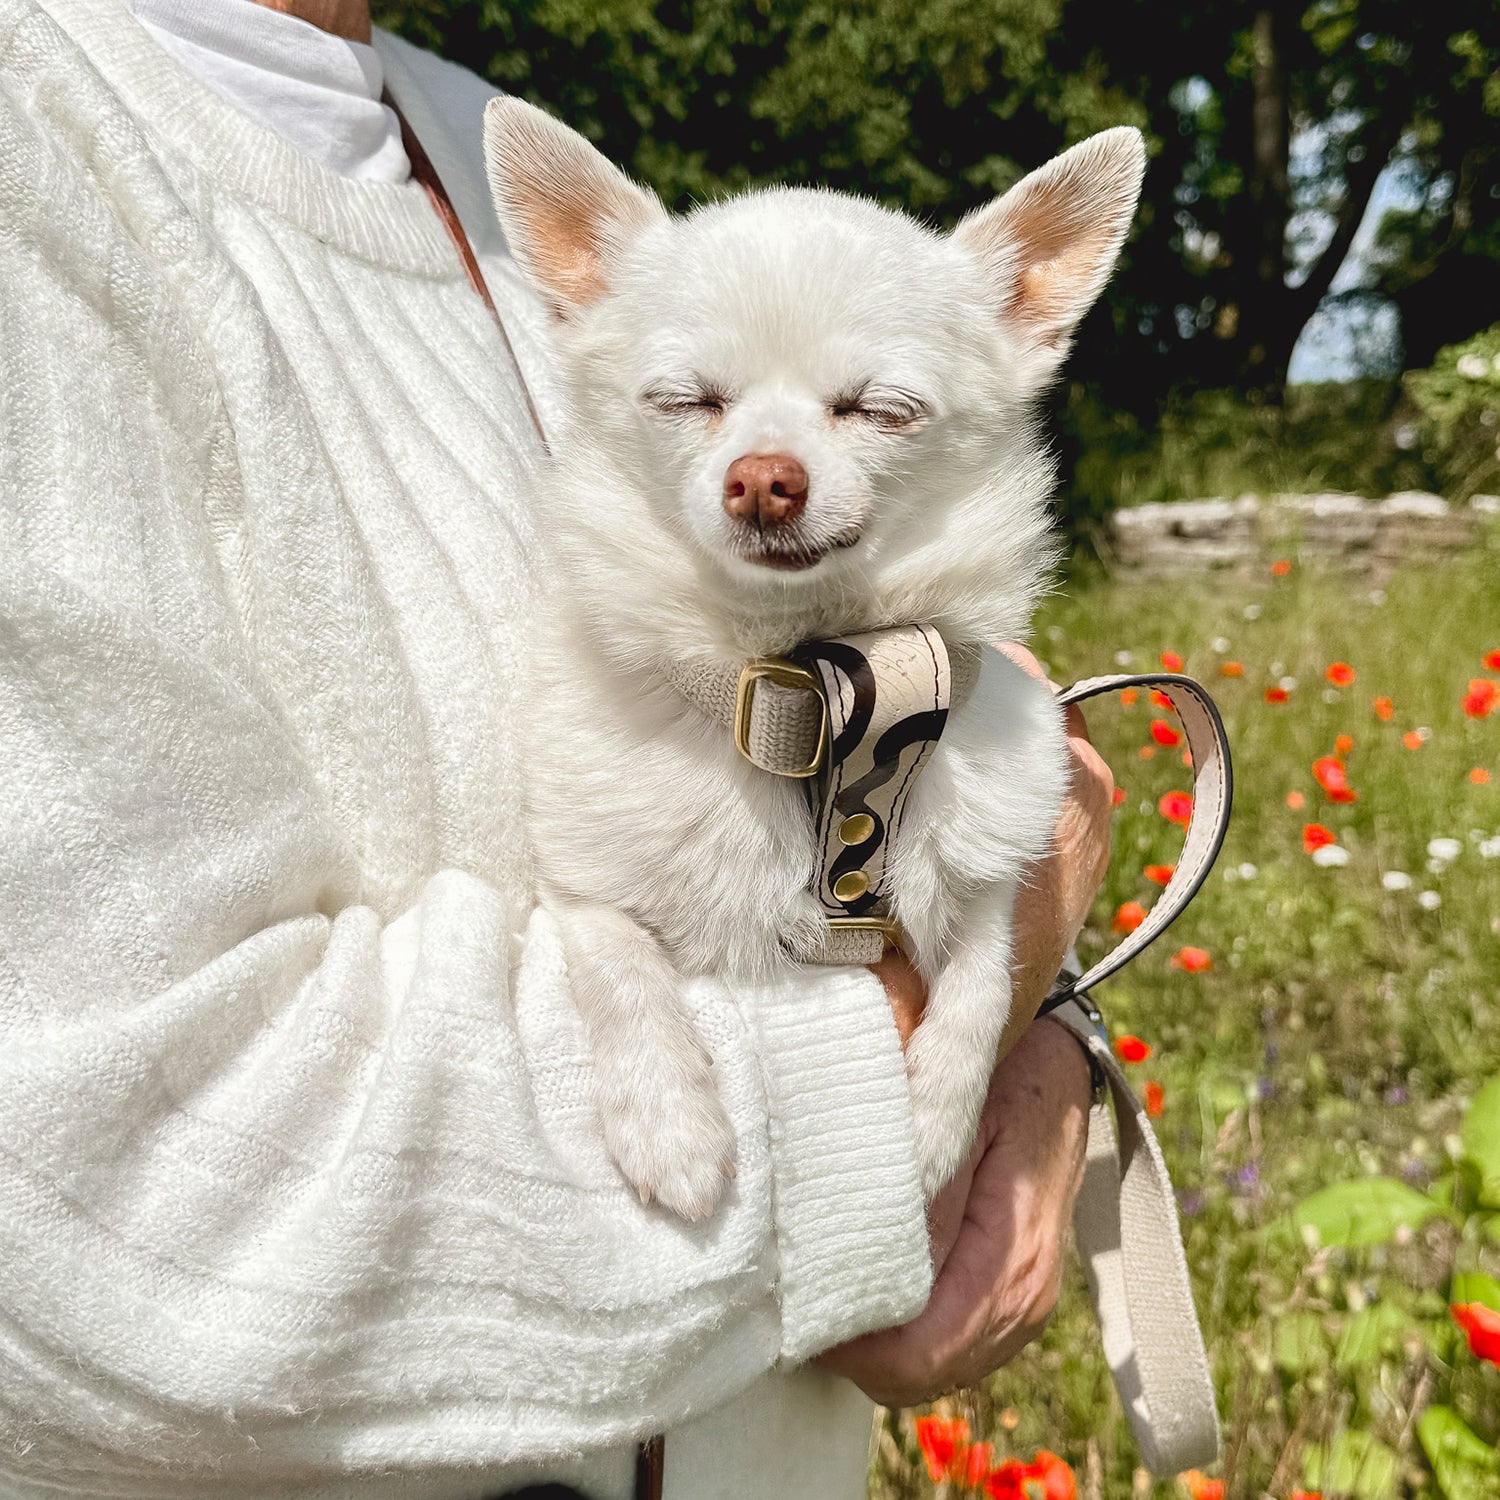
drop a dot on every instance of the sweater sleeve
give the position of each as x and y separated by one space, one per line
298 1169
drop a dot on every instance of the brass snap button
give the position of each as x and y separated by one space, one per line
851 885
856 828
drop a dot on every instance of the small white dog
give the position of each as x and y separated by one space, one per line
792 416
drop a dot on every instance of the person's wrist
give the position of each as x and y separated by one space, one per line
1065 1048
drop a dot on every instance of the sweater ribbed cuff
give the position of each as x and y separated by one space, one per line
850 1220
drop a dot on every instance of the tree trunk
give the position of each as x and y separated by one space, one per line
1267 347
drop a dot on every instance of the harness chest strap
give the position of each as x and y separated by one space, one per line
856 718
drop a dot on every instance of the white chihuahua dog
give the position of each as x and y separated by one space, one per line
791 416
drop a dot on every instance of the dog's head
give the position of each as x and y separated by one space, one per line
806 396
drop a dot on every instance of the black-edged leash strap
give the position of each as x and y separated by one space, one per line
1125 1219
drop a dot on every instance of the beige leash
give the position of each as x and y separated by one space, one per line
1125 1220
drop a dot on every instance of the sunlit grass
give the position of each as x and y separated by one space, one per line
1344 1024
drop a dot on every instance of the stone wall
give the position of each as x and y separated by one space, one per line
1191 536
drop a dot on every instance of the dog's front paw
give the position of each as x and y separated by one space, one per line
673 1140
947 1092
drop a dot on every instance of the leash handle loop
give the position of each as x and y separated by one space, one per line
1213 795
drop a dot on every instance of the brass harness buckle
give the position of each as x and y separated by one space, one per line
784 674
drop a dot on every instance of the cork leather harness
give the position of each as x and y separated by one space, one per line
857 718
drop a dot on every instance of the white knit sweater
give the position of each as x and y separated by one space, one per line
299 1178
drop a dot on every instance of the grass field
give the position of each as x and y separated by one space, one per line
1340 1033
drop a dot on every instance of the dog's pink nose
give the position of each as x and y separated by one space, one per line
765 489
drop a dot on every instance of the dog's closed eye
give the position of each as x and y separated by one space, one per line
704 401
886 410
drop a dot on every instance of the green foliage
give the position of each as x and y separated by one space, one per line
932 105
1362 1214
1369 1212
1206 443
1354 1464
936 105
1465 1465
1458 401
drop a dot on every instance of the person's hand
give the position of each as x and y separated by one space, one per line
998 1228
997 1233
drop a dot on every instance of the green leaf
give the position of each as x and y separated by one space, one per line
1371 1336
1475 1286
1354 1464
1465 1465
1367 1212
1300 1343
1481 1141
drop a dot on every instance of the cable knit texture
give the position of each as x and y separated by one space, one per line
299 1178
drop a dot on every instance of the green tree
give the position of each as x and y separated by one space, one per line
935 105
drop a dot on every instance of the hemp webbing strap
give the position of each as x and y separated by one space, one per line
1125 1219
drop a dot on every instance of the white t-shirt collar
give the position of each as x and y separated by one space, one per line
318 91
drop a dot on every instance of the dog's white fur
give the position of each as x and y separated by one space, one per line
900 366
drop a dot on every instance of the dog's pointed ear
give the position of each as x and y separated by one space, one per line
566 210
1049 244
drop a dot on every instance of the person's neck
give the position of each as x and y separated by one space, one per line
346 18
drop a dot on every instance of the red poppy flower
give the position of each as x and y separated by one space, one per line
940 1438
1479 776
971 1464
1156 1099
1340 673
1492 661
1187 759
1171 661
1483 695
1328 771
1482 1325
1118 796
1164 734
1280 568
1307 1495
1008 1481
1132 1049
1192 960
1295 800
1147 752
1343 744
1201 1487
1231 669
1276 695
1128 697
1057 1481
1316 836
1412 740
1159 874
1130 916
1046 1477
1176 807
1384 708
1160 699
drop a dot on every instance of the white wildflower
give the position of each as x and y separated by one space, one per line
1444 849
1473 367
1490 848
1252 611
1220 643
1331 856
1287 684
1123 658
1429 900
1396 880
1376 597
1248 871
